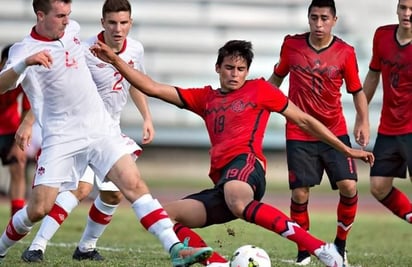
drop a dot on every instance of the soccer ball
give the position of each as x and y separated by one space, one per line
250 256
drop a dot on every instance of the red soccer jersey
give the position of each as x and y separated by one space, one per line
395 63
10 112
235 121
315 81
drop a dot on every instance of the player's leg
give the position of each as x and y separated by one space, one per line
102 210
342 173
305 171
126 176
393 156
65 202
243 191
39 204
100 215
15 159
200 204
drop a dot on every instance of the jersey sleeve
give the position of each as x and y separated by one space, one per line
351 74
194 99
281 69
375 64
272 98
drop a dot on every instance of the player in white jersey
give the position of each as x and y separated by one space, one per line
114 90
77 131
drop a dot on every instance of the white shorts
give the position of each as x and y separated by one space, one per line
69 166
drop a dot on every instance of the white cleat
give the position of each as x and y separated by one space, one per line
329 255
218 264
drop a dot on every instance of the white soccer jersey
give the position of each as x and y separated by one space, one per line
111 85
63 98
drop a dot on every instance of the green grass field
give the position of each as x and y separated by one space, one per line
377 239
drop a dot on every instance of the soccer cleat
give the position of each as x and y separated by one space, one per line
218 264
345 259
183 256
2 258
32 255
329 255
303 258
93 255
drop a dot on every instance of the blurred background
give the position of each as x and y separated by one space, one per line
181 39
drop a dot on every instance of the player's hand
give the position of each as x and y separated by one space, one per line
363 155
42 58
23 135
148 132
362 135
103 52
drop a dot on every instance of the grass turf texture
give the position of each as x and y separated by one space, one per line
377 239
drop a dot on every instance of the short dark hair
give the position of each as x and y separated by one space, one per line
46 5
236 48
116 6
4 55
323 3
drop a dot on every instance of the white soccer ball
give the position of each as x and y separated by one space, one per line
250 256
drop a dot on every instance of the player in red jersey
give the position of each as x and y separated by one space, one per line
236 115
11 155
317 63
391 59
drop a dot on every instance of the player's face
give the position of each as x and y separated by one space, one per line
404 12
232 73
53 24
116 28
321 22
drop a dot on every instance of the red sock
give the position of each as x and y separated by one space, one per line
98 216
12 233
58 214
195 240
399 204
16 204
299 213
346 215
275 220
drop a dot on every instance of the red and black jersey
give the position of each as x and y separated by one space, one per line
315 80
10 116
235 121
394 61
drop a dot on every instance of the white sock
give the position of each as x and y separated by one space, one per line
49 226
21 224
159 222
94 229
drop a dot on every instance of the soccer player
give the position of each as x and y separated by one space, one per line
318 63
391 59
11 156
77 130
113 89
236 115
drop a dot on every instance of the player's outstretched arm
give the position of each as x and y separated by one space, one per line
320 131
136 78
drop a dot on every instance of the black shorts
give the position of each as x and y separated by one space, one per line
6 143
393 156
308 160
213 199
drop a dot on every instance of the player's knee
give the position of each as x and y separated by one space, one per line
237 208
36 213
82 191
111 197
379 191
